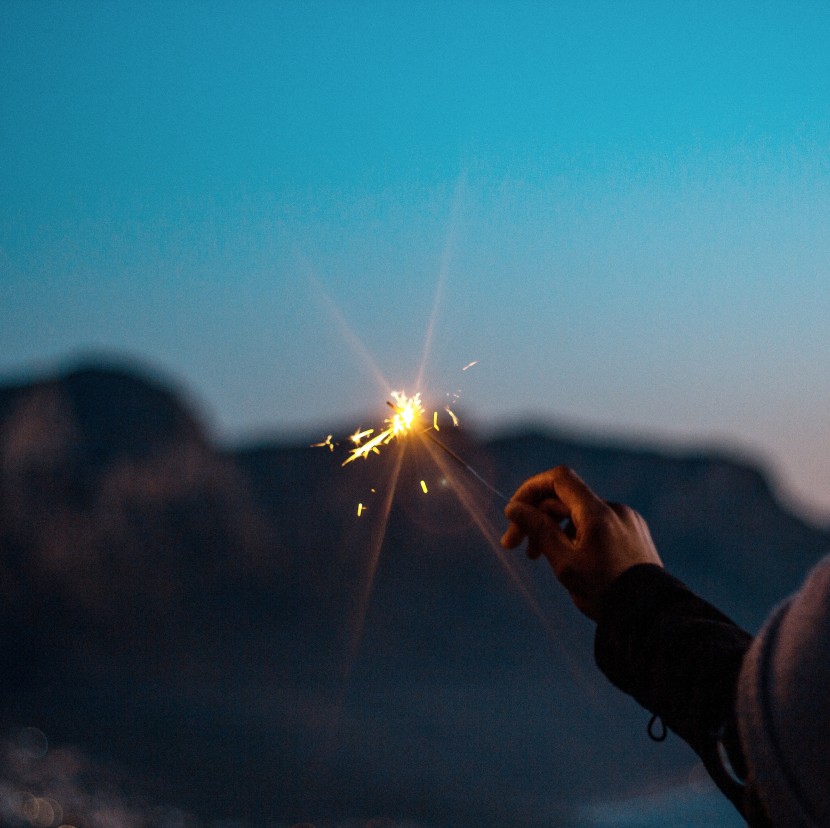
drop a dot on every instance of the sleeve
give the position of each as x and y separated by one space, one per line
679 657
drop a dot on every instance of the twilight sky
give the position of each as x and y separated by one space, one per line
622 209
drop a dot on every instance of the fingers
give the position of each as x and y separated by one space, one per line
560 484
524 520
512 537
555 508
547 500
577 496
543 531
537 488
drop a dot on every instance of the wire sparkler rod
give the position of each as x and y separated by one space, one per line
467 466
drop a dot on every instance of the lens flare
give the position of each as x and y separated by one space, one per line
407 413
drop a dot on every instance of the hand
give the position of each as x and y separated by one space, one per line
588 541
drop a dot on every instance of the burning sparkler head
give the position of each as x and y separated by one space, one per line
407 416
407 412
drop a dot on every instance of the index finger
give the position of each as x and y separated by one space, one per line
563 484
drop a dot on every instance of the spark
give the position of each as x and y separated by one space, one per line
358 437
326 442
406 414
470 365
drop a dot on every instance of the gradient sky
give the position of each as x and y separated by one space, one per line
623 210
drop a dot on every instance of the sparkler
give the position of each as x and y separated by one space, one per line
407 416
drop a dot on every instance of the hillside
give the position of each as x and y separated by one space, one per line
186 623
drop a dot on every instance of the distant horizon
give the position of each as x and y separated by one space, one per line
304 435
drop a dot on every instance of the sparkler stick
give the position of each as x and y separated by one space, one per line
467 466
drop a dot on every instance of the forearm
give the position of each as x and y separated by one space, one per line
679 657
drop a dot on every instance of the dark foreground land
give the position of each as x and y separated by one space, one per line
181 622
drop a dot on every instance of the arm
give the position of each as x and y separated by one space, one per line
675 654
679 657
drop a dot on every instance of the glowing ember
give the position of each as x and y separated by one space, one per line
326 442
358 437
424 486
360 509
407 413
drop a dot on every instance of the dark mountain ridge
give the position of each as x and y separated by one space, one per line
202 620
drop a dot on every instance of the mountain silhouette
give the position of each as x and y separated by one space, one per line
214 637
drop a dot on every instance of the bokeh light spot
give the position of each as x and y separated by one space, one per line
32 743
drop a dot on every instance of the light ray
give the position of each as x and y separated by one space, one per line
491 536
407 412
449 243
362 605
488 531
378 536
406 422
345 328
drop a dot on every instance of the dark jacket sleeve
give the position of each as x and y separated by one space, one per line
679 657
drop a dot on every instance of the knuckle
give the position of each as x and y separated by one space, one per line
599 511
625 512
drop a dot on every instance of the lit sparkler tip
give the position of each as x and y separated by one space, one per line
406 412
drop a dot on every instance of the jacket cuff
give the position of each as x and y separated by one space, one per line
675 653
635 598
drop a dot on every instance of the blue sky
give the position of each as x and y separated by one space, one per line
626 208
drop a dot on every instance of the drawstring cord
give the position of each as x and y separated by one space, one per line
657 735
